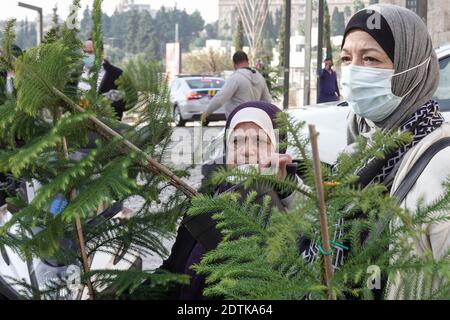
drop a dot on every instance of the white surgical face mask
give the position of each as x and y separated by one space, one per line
89 60
368 91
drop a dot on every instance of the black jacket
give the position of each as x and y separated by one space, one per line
108 83
3 77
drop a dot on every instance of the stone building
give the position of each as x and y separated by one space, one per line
435 13
228 14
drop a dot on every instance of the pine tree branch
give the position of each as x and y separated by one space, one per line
150 164
127 146
79 230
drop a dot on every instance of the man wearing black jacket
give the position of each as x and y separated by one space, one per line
106 83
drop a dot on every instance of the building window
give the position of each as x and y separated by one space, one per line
412 5
419 7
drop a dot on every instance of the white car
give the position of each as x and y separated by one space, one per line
190 97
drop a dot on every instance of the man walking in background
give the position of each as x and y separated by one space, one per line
329 89
244 85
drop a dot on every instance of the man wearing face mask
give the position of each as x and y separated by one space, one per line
329 90
107 76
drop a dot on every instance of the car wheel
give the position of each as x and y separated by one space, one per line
178 118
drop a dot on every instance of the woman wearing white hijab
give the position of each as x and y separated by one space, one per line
251 143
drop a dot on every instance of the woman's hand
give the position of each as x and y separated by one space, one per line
278 163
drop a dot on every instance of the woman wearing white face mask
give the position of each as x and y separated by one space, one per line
389 75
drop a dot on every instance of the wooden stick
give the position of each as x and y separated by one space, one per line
323 211
80 236
78 226
84 257
151 164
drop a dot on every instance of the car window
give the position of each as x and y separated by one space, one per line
205 83
443 91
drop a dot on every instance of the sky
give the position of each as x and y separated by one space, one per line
208 9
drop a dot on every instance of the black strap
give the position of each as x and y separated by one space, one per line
250 69
411 178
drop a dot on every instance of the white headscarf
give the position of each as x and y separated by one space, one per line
258 117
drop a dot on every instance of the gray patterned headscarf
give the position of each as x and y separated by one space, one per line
413 46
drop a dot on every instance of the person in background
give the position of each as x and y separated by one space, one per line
106 83
329 89
244 85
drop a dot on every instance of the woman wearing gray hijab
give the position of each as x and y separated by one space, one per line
390 73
